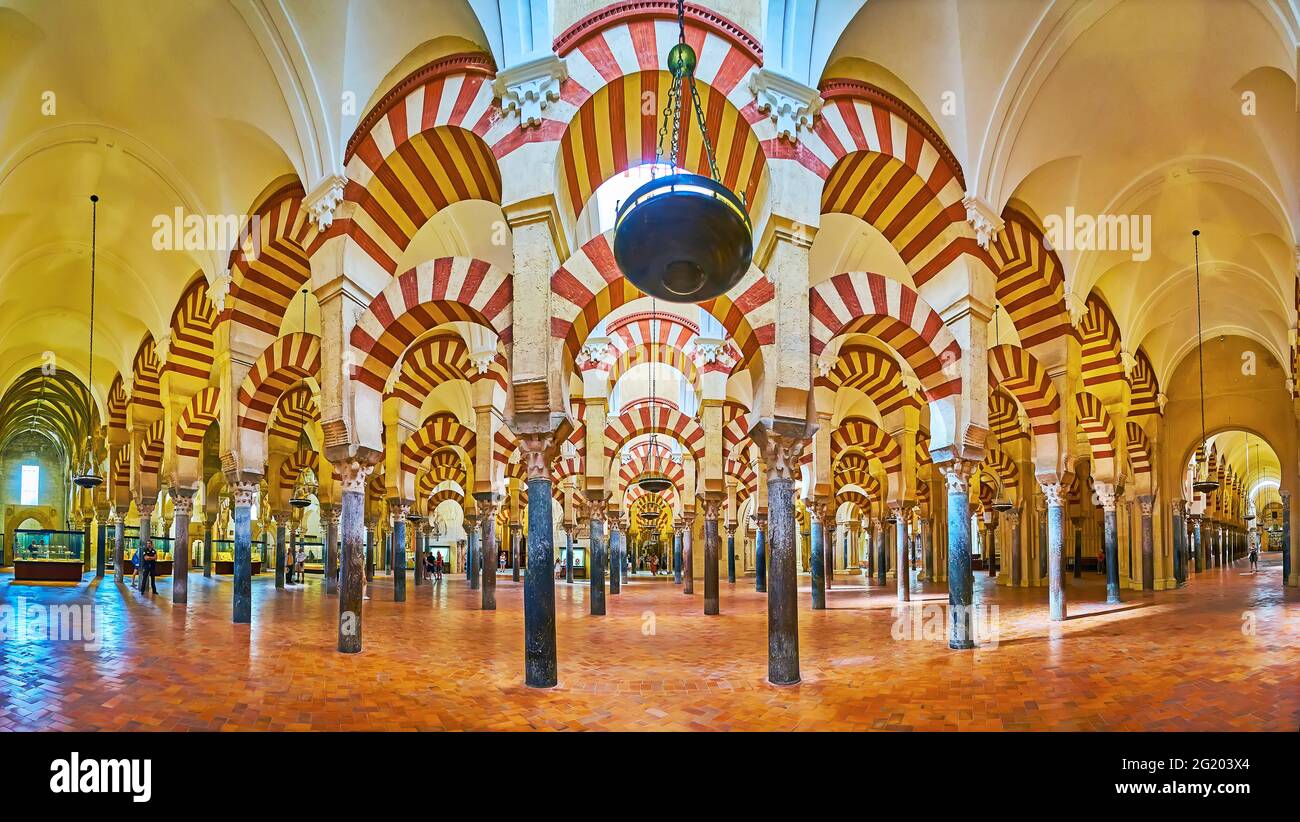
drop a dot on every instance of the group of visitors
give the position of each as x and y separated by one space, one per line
293 571
433 566
144 569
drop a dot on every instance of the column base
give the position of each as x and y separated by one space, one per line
966 645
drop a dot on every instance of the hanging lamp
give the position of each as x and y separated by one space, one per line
1204 484
302 491
683 237
1000 501
85 475
654 481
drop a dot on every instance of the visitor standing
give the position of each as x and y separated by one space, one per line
150 571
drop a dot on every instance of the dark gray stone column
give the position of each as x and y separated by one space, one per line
1040 508
332 516
595 513
1078 546
688 554
540 658
1198 559
417 544
1287 570
1013 518
401 509
1054 497
471 541
731 552
357 539
991 543
677 555
614 541
280 548
370 551
242 496
1109 517
145 532
781 453
961 582
515 549
182 509
1147 503
119 540
882 567
568 549
903 571
622 547
828 544
712 544
760 558
101 542
487 552
873 525
1179 538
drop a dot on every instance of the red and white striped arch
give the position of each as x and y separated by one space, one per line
863 434
1100 344
867 303
1030 280
270 265
449 289
589 285
998 463
289 359
1139 448
117 404
447 465
151 448
196 417
874 373
294 411
425 145
1096 425
440 430
146 381
644 418
193 326
291 469
1019 372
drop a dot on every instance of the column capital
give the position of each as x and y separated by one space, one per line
242 494
957 474
324 199
789 104
1054 494
182 503
712 507
782 445
538 451
353 474
527 89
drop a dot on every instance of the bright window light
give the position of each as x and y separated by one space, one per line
31 484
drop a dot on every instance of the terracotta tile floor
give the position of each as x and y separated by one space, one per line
1169 661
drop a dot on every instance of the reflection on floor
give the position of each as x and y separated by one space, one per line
1219 654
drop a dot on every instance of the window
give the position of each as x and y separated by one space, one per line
31 484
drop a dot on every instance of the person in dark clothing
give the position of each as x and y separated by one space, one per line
150 571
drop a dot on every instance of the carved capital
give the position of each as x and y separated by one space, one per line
1054 494
781 454
529 88
790 105
182 502
983 218
537 451
353 475
323 200
712 507
243 494
957 474
1106 495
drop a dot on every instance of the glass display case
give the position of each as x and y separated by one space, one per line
223 555
315 562
163 546
48 556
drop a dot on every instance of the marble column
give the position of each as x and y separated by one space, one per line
101 542
145 532
882 567
471 550
242 496
828 544
1288 570
182 509
760 558
400 509
1147 504
330 513
595 512
903 574
540 659
712 544
369 559
280 549
119 540
961 582
731 552
1198 559
487 552
688 555
991 544
1179 538
1078 547
357 543
1040 508
1111 541
781 454
677 555
1017 579
873 525
614 540
817 552
568 549
622 548
515 549
927 558
1054 501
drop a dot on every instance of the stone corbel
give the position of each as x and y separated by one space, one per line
323 200
528 88
481 361
983 218
789 104
163 348
1129 362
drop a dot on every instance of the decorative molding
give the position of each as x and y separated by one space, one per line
597 353
983 218
470 62
606 18
324 199
482 360
529 88
789 104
